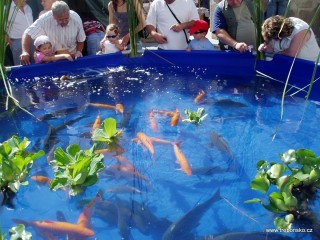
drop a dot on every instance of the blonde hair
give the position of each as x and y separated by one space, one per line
113 27
276 27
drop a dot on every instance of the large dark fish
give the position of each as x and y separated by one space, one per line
207 171
220 143
183 227
51 137
228 103
59 113
246 236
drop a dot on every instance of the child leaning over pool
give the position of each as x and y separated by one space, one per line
44 52
111 43
199 42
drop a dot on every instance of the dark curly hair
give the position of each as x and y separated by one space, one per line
276 27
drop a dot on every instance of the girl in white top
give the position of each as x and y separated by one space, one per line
289 36
111 43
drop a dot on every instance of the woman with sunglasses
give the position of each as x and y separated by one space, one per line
111 42
289 36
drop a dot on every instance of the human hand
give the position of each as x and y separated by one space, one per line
77 54
125 41
159 38
68 56
241 47
25 58
176 28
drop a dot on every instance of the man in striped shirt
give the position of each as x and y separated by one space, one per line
63 27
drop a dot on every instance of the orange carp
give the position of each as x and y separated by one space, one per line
41 179
181 159
61 228
97 123
153 122
118 107
175 118
85 215
199 96
122 171
145 141
164 112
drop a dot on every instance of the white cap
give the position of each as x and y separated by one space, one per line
41 40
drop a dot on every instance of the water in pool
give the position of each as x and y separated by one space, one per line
161 198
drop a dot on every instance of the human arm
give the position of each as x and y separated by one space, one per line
297 42
79 49
57 57
225 37
180 26
158 37
140 15
25 55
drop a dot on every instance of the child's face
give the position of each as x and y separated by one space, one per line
199 35
46 49
112 36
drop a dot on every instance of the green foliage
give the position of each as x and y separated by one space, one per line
195 117
108 133
75 168
15 163
296 180
19 233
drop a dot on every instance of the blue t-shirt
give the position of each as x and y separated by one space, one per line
196 44
219 21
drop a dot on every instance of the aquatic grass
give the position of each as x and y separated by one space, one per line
317 13
133 22
4 28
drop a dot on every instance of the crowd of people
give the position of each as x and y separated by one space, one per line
60 33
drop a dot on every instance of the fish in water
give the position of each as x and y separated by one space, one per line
207 171
228 103
59 113
75 231
97 123
118 107
124 189
41 179
175 118
153 122
182 228
181 159
199 97
220 143
146 142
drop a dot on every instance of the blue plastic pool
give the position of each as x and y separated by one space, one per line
243 112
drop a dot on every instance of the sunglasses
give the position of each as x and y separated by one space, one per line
201 31
112 36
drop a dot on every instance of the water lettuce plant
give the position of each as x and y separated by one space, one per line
108 133
195 117
19 233
75 169
15 163
293 184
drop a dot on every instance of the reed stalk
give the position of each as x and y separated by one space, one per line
133 22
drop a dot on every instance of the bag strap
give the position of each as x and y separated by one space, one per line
184 31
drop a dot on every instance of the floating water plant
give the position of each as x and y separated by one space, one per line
75 169
195 117
15 163
293 185
19 233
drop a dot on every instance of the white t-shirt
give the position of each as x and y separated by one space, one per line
19 21
109 47
309 51
162 19
60 37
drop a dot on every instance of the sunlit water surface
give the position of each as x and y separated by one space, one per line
244 112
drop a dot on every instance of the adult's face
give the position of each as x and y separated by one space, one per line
63 20
234 3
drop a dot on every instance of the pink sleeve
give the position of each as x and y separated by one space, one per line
39 57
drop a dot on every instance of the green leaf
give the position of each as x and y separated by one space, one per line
277 200
19 233
253 200
314 175
62 157
289 156
110 127
276 171
73 150
261 184
289 200
300 176
280 223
